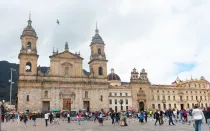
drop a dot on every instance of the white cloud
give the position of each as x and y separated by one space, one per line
146 34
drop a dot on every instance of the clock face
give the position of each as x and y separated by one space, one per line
29 51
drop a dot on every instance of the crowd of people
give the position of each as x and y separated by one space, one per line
194 116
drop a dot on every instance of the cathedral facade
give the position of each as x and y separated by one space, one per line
67 86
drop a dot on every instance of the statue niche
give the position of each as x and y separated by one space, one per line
67 68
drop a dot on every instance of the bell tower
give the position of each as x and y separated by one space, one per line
98 61
28 54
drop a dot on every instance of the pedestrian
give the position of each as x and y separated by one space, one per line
34 119
25 119
18 119
157 117
198 116
150 113
78 118
161 117
145 116
101 118
51 117
68 117
141 118
112 117
46 117
170 115
208 116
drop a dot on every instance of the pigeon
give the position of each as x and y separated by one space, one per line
57 22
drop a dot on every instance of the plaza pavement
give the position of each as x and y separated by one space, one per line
133 125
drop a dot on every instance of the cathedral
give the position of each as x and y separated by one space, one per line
67 86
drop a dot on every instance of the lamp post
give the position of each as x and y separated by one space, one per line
11 86
121 102
164 101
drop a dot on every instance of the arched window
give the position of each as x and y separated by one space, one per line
28 67
99 51
100 71
86 94
29 45
46 94
27 98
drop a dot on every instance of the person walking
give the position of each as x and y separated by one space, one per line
170 115
157 117
145 116
68 117
207 116
112 117
78 118
141 118
34 119
198 116
46 117
25 119
51 117
18 119
161 117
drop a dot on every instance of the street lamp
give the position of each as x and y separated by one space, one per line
164 101
11 86
121 102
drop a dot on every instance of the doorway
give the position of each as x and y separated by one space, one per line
141 106
86 105
46 105
182 106
67 104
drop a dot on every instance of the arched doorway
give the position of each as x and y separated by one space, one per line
141 106
141 99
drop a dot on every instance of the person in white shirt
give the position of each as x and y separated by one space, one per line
198 116
68 117
46 117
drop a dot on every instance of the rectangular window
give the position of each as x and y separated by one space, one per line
200 97
115 108
126 94
153 106
158 106
196 98
110 101
126 108
169 105
202 105
205 97
206 105
174 105
115 94
180 98
126 101
121 107
191 97
174 98
192 105
188 105
187 97
115 101
153 98
158 97
110 94
163 97
120 94
169 98
27 98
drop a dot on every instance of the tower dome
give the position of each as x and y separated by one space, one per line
113 76
29 30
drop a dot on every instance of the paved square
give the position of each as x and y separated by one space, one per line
133 125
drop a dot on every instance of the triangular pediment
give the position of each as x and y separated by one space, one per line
67 55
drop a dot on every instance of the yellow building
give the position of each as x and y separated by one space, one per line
66 85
